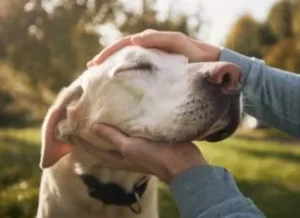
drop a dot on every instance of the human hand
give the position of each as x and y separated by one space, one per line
173 42
164 160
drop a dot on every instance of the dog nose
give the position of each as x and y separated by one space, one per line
227 75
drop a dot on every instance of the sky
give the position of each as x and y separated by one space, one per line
219 15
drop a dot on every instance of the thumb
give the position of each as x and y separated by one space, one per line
169 41
105 53
109 155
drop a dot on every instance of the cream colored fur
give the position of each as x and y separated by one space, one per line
165 102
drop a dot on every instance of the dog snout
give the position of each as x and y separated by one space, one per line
226 75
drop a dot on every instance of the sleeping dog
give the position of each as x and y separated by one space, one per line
143 92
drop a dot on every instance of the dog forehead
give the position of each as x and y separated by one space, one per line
140 54
131 54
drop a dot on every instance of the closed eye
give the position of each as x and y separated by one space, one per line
138 66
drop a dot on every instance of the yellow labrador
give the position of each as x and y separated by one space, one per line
144 92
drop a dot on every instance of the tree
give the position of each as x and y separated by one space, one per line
276 40
50 41
20 102
57 38
280 18
147 17
266 35
244 36
43 43
285 55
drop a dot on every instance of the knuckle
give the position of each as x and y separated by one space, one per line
147 32
124 147
128 147
125 152
109 135
180 36
125 142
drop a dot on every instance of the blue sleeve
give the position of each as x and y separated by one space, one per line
209 191
271 95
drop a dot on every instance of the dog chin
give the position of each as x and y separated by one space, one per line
233 118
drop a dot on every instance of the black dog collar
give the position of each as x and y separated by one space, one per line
111 193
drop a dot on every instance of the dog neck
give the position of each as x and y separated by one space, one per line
110 186
87 163
64 192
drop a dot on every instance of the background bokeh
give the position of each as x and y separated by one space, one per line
45 44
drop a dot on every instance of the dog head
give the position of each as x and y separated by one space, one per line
147 93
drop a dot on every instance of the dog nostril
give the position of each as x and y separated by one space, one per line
226 79
226 76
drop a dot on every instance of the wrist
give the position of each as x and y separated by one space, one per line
175 168
214 53
209 53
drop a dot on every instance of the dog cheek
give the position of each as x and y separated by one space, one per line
73 122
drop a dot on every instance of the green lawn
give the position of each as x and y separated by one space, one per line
266 165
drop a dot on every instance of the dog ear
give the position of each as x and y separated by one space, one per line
53 149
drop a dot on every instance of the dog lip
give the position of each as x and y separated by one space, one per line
234 114
219 136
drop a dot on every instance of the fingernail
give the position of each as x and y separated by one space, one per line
90 64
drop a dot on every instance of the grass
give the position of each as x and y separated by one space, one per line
265 164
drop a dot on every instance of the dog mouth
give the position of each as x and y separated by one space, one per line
234 118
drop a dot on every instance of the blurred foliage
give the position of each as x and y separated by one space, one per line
285 55
280 18
244 36
44 44
20 175
20 101
276 40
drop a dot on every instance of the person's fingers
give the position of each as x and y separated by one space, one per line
207 52
112 135
105 53
111 159
168 41
99 153
173 42
108 51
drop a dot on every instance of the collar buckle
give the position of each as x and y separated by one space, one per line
138 208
